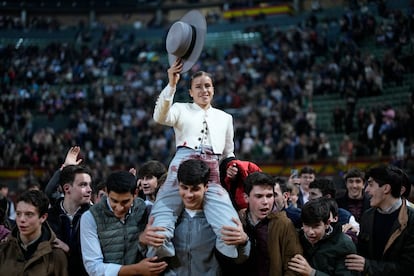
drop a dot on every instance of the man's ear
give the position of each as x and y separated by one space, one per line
43 217
402 190
246 197
387 189
66 187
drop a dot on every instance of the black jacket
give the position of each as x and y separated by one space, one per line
398 255
69 232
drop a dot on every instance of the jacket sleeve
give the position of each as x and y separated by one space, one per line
400 267
53 184
284 243
243 253
60 263
162 111
229 143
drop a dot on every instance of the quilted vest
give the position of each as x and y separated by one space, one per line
119 240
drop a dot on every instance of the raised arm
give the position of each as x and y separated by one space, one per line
70 159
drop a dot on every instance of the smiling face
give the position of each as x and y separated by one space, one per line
202 90
149 184
260 200
192 195
377 194
120 203
355 187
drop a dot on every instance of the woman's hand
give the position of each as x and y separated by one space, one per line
174 72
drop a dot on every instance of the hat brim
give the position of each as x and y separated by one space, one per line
198 21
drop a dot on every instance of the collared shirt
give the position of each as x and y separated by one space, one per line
70 216
396 205
305 195
91 248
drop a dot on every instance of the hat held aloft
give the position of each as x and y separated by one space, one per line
185 39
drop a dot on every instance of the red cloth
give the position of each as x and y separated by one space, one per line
235 186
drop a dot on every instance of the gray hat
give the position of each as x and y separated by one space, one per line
185 39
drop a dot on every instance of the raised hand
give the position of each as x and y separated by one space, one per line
174 72
72 157
133 171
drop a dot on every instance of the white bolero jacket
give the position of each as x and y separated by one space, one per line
187 120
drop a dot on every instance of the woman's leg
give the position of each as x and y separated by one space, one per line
168 205
218 207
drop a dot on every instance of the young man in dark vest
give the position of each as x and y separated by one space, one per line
110 232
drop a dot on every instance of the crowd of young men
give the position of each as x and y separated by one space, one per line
75 236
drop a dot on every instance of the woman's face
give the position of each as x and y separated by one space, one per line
202 91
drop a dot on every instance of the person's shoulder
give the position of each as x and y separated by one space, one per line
410 213
279 217
54 211
139 201
9 248
55 206
345 243
59 256
221 112
344 212
87 215
294 210
368 212
139 209
342 200
58 252
181 104
84 207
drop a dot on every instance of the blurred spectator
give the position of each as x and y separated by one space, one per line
270 85
346 150
8 205
4 225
